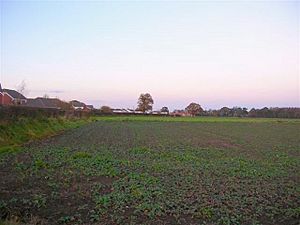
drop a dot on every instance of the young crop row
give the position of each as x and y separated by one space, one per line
129 172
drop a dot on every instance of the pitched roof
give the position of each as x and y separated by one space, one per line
76 103
90 106
14 94
43 103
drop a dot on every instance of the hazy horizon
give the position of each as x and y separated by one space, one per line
107 53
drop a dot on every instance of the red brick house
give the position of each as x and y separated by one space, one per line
4 99
11 97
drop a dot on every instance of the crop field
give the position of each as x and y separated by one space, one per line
153 170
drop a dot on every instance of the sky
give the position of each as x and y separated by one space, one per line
215 53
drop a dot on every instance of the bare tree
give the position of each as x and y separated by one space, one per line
22 91
22 87
145 102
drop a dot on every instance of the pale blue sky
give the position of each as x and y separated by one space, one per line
107 53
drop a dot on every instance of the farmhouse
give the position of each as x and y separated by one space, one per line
11 97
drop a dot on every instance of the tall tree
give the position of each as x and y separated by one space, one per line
145 102
194 109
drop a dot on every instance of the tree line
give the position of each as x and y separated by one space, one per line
273 112
145 105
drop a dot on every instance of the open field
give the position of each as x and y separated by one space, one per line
154 170
195 119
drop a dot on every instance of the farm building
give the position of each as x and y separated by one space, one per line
126 111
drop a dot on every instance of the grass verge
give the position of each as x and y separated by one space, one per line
15 133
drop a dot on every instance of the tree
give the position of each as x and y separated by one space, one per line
145 102
165 110
237 111
194 109
22 90
22 87
245 111
225 111
106 110
252 113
